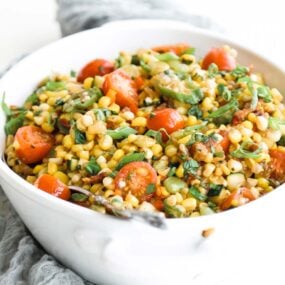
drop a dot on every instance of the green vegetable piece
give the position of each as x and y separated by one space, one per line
193 98
135 156
5 107
205 210
174 184
195 111
13 124
145 66
121 133
224 92
190 50
72 73
93 167
59 102
168 56
215 190
172 171
275 123
195 192
172 211
239 72
264 93
79 197
80 138
243 152
191 166
135 60
33 99
156 135
213 70
253 92
150 188
55 86
231 106
94 93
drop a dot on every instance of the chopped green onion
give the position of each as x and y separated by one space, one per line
239 71
150 188
121 133
213 70
253 92
195 111
135 156
174 184
55 86
167 56
231 106
242 151
79 197
5 107
172 171
190 50
224 92
215 190
274 123
191 166
195 192
193 98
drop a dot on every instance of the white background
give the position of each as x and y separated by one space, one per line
26 25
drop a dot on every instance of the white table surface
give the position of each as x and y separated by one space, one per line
26 25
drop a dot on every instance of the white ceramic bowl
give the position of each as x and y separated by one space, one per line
107 250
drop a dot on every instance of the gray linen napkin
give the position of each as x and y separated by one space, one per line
22 260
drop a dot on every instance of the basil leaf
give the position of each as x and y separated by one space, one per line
195 111
92 167
121 133
191 166
78 197
5 107
195 192
80 138
156 135
14 124
150 188
135 156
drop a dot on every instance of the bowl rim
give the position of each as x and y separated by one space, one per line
62 206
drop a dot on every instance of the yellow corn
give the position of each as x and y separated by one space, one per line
87 84
52 168
47 127
171 150
104 102
139 122
156 149
38 168
180 171
61 176
119 153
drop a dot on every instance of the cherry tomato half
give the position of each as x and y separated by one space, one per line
135 178
32 144
167 118
277 164
53 186
95 67
222 58
123 89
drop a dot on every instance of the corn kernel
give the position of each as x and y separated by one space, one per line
31 179
67 141
38 168
87 120
180 171
87 84
133 200
61 176
128 115
156 149
84 154
119 153
191 121
209 169
207 104
189 204
115 108
104 102
105 142
171 200
139 122
47 128
262 182
252 117
52 168
107 181
235 136
261 123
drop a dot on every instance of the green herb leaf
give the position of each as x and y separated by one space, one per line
172 211
145 66
93 167
14 124
33 99
171 172
190 50
135 156
231 106
224 92
5 107
215 190
239 71
156 135
72 73
79 197
167 56
213 70
193 98
195 111
150 188
121 133
191 166
59 102
55 86
135 60
195 192
243 152
80 138
264 93
253 92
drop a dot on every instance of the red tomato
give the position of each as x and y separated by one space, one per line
277 164
177 49
135 177
95 67
221 58
32 144
124 87
167 118
53 186
225 142
234 198
139 82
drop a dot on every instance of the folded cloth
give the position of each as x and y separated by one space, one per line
22 260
